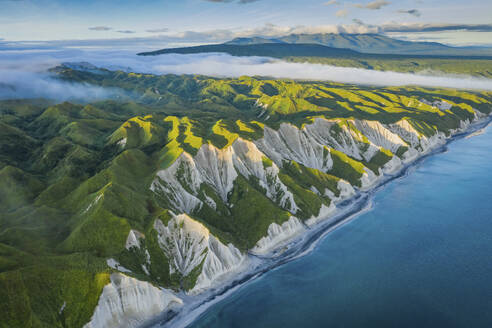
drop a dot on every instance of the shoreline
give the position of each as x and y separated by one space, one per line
298 245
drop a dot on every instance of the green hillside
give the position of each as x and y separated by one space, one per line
75 179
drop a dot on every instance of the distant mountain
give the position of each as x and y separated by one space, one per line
370 43
325 45
359 51
261 49
254 40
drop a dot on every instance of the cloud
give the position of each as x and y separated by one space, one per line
23 73
342 13
332 3
100 28
374 5
227 1
422 27
158 30
19 84
358 22
189 38
414 12
126 31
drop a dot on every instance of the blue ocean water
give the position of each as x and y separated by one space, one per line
422 257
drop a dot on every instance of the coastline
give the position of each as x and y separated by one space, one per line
302 243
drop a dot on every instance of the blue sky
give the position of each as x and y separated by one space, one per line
197 21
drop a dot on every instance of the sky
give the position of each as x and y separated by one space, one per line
164 23
36 35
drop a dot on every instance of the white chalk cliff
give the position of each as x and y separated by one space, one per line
278 234
218 168
188 244
128 302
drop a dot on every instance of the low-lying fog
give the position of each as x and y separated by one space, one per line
23 73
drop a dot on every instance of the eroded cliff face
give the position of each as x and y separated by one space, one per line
278 234
312 146
209 177
190 246
128 302
219 168
292 144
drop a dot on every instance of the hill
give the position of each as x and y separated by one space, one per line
260 49
156 194
349 50
371 43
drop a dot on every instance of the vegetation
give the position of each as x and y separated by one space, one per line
75 178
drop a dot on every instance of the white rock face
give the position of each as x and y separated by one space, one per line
407 132
368 179
379 135
324 213
187 243
393 165
346 189
441 104
290 143
216 168
248 161
112 263
133 239
169 183
278 234
418 143
332 134
122 143
128 302
359 139
436 140
219 168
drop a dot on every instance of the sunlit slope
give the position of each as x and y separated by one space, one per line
188 174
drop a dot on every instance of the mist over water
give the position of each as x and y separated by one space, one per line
23 73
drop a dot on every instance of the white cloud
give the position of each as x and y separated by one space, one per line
332 3
374 5
414 12
23 74
100 28
342 13
24 71
158 30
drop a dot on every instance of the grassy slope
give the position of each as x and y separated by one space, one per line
69 192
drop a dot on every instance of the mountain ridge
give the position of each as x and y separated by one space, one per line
376 44
116 202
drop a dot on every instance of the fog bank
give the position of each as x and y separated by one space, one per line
23 73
